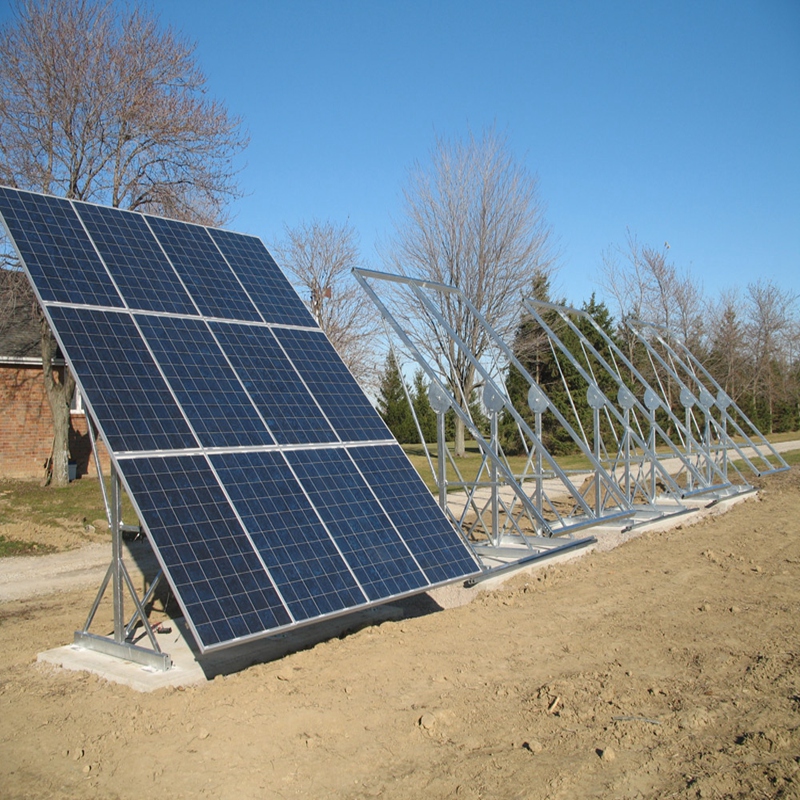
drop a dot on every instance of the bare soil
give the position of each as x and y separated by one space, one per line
667 667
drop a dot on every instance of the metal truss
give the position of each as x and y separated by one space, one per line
636 450
719 412
121 643
524 502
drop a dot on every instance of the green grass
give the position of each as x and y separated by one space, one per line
792 458
9 547
81 501
470 464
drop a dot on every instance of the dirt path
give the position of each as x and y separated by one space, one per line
668 667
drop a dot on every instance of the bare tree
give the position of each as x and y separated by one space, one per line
646 285
727 359
770 331
472 218
101 103
319 257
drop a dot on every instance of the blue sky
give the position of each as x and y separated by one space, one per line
679 120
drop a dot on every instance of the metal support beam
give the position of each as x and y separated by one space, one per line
119 645
690 366
507 496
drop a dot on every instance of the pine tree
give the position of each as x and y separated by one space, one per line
557 377
426 416
393 404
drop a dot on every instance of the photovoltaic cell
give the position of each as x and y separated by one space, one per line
211 563
55 249
305 564
364 534
273 383
120 381
430 537
212 285
135 260
232 421
261 277
218 409
332 385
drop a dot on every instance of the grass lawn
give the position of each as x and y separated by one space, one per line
470 464
30 503
81 502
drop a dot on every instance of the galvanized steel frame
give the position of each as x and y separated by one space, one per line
120 644
707 401
496 399
703 475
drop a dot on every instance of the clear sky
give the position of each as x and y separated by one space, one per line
679 120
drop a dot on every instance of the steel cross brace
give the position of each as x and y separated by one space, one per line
416 286
119 645
704 481
722 402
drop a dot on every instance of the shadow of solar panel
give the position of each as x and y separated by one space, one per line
428 535
307 567
55 249
363 533
120 381
214 400
206 274
273 383
332 385
222 585
267 286
135 260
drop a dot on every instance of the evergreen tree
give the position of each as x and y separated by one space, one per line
532 348
426 416
393 404
556 375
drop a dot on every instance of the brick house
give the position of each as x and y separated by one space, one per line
26 427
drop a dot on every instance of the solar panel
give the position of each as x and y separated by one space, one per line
270 489
262 279
120 380
135 260
334 388
208 390
412 509
200 265
307 566
58 254
358 524
280 395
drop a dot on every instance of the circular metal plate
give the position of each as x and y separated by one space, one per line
492 399
537 400
625 398
687 398
651 400
706 400
594 397
439 399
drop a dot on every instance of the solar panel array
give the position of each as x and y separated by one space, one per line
270 489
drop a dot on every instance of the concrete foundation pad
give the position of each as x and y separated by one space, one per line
190 667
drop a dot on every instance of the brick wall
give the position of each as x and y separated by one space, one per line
26 428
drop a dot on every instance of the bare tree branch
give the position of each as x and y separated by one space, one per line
472 218
320 257
101 103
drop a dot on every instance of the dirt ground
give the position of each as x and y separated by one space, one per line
667 667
